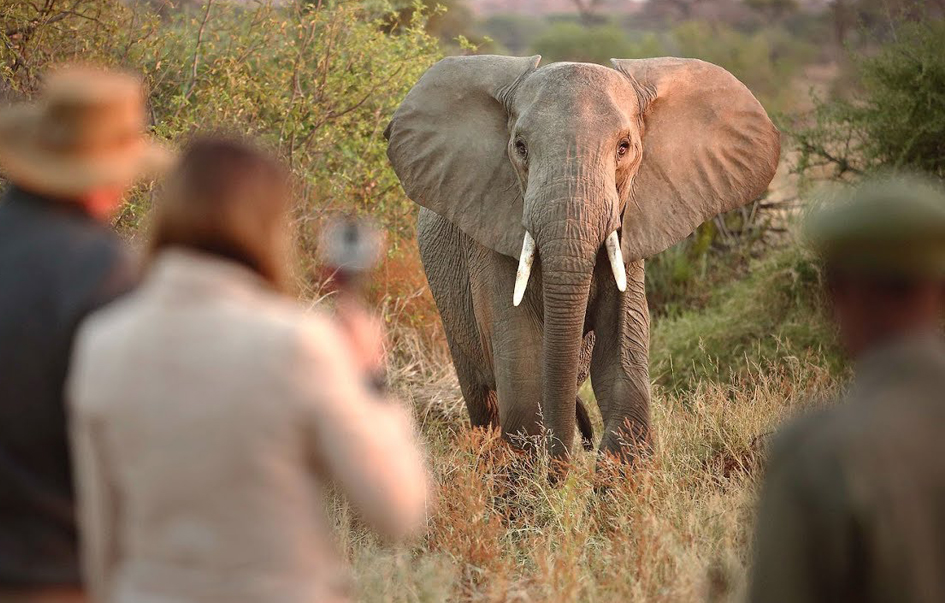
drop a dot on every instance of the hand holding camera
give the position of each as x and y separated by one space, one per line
350 250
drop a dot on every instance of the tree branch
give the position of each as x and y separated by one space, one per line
196 60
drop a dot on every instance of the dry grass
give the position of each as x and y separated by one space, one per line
676 529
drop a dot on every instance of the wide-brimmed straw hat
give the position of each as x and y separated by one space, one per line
86 131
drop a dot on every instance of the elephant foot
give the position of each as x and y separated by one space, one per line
620 469
629 445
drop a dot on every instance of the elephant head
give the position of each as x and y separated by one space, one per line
571 158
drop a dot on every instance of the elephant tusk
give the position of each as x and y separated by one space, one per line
524 269
616 261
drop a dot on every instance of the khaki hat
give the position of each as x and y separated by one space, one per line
892 226
86 131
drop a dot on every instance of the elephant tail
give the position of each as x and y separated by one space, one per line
584 425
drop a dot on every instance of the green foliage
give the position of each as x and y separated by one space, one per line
571 41
904 118
773 315
34 36
514 32
450 21
685 275
895 121
773 8
317 83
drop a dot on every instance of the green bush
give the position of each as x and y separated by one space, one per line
450 21
684 276
772 315
317 85
896 119
572 41
34 36
514 32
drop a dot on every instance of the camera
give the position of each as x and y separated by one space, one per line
351 248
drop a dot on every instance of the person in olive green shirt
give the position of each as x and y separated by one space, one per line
853 503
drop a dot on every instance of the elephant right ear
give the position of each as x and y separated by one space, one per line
448 144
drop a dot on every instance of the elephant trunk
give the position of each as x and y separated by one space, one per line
580 214
566 280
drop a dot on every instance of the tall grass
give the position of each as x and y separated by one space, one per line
676 528
774 313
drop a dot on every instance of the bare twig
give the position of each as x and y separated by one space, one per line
296 88
19 60
34 24
193 66
332 114
842 163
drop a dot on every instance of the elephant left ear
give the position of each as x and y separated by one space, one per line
708 147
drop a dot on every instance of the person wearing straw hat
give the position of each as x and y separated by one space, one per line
853 501
69 158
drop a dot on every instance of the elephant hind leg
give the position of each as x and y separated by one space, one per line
620 368
584 425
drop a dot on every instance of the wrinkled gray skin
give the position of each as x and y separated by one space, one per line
492 147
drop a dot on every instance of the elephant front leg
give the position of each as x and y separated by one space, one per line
512 344
516 350
620 365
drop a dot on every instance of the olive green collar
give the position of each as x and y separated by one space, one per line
902 358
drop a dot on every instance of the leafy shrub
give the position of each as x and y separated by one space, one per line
896 118
34 36
514 32
318 85
773 314
450 21
685 275
572 41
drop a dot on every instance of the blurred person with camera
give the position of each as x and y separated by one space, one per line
853 502
211 411
69 158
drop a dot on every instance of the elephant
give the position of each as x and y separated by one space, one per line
542 190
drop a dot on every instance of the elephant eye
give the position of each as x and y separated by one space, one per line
623 148
521 149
